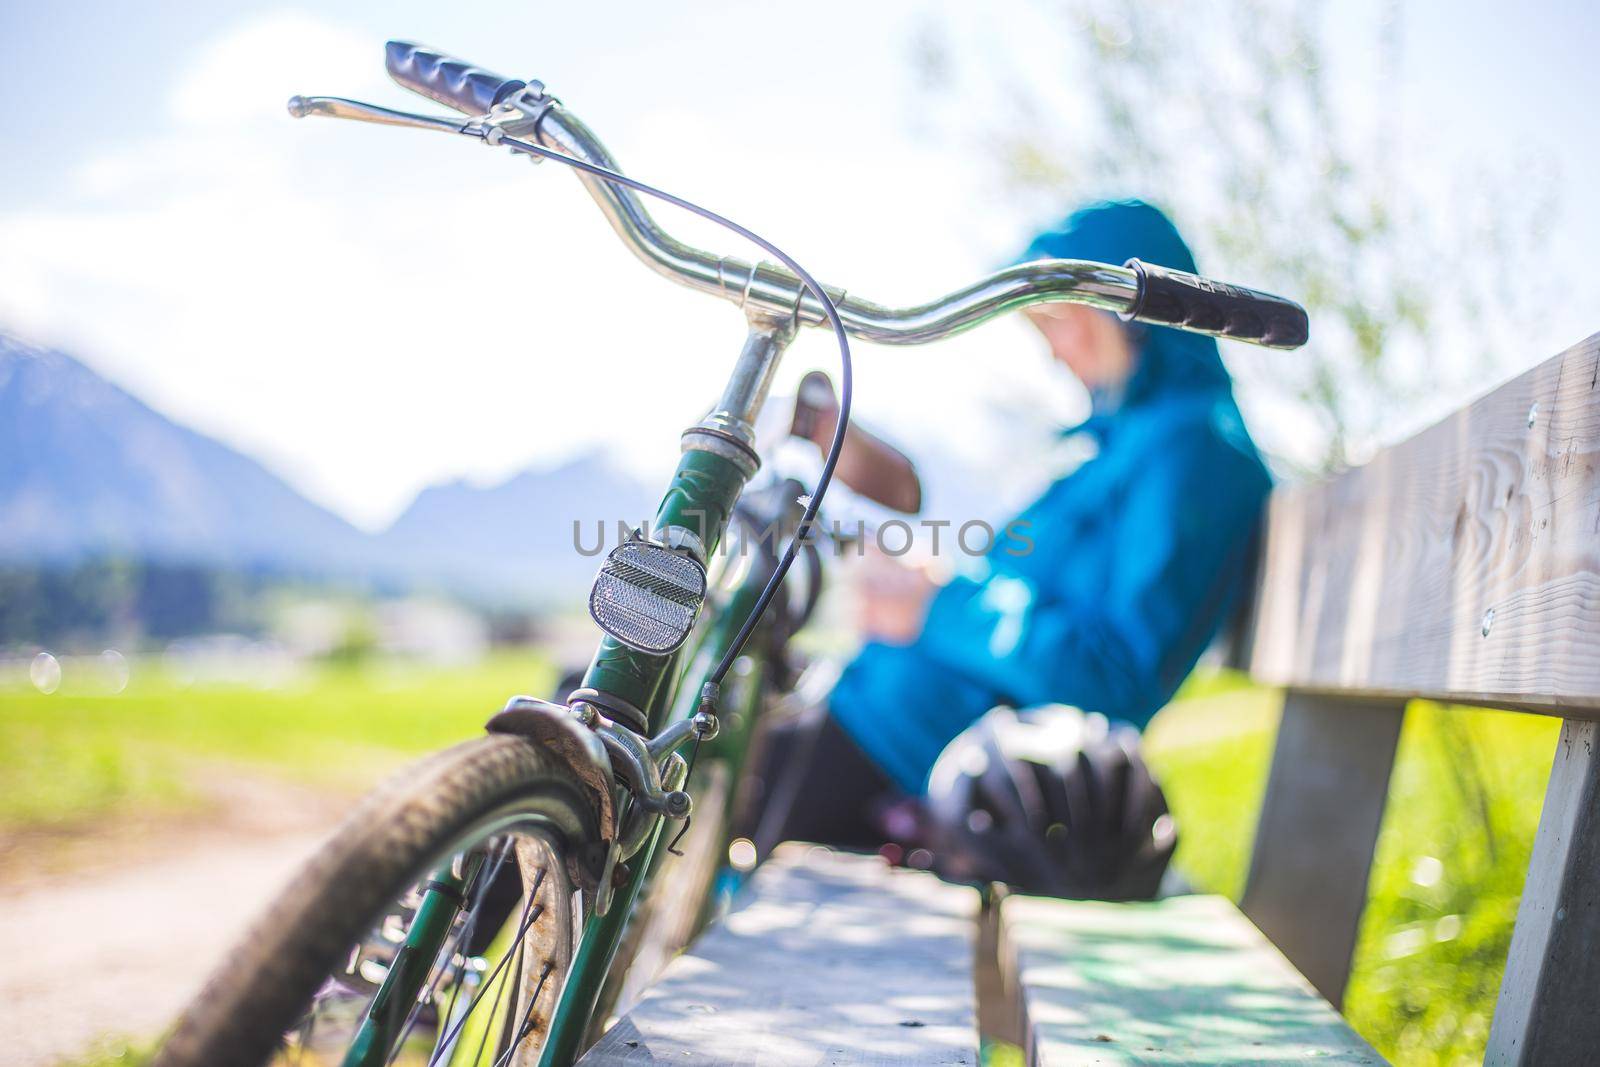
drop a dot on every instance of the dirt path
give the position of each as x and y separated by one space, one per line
112 945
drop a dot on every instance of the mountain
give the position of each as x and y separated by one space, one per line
86 469
519 537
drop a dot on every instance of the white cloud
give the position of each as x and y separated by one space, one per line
242 75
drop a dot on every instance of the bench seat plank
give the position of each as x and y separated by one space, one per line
831 959
1184 980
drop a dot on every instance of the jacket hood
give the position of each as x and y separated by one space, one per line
1168 361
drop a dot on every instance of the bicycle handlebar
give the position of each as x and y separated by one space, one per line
1135 291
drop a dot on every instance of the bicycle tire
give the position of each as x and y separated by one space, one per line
395 835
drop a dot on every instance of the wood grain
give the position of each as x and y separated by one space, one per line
831 959
1384 580
1184 980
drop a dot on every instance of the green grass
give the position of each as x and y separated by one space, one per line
71 756
113 1053
1463 806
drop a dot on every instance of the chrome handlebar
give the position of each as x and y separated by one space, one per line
758 287
1141 292
766 287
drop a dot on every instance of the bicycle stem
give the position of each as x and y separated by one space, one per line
752 375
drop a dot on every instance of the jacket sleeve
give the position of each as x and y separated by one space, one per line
1181 536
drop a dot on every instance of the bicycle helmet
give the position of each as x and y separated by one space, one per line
1052 801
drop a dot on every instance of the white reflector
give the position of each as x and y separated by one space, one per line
647 596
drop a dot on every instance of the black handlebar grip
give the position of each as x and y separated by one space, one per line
448 81
1190 302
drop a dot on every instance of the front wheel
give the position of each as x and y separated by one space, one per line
492 827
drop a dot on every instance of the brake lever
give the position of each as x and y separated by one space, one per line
337 107
517 117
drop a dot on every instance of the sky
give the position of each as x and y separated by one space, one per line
371 310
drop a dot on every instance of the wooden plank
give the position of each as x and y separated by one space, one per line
1182 980
1318 826
1462 565
1546 1012
831 959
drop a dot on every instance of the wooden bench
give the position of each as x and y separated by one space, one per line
1461 566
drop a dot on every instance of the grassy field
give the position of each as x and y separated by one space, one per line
77 754
1463 806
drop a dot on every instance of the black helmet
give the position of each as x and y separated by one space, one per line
1051 801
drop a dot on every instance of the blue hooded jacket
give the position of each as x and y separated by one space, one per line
1135 557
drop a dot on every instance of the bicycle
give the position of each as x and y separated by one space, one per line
472 909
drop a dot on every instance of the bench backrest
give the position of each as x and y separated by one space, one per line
1462 566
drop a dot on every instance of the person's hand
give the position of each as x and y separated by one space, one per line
893 598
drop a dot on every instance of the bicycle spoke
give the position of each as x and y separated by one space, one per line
527 1019
465 938
530 915
450 1009
486 877
515 955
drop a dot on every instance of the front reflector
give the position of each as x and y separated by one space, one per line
647 596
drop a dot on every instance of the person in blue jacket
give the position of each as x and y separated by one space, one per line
1125 569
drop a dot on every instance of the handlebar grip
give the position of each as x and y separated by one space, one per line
1190 302
446 80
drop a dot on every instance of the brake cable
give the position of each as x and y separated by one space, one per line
711 691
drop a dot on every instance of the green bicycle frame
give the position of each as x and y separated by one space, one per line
717 462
